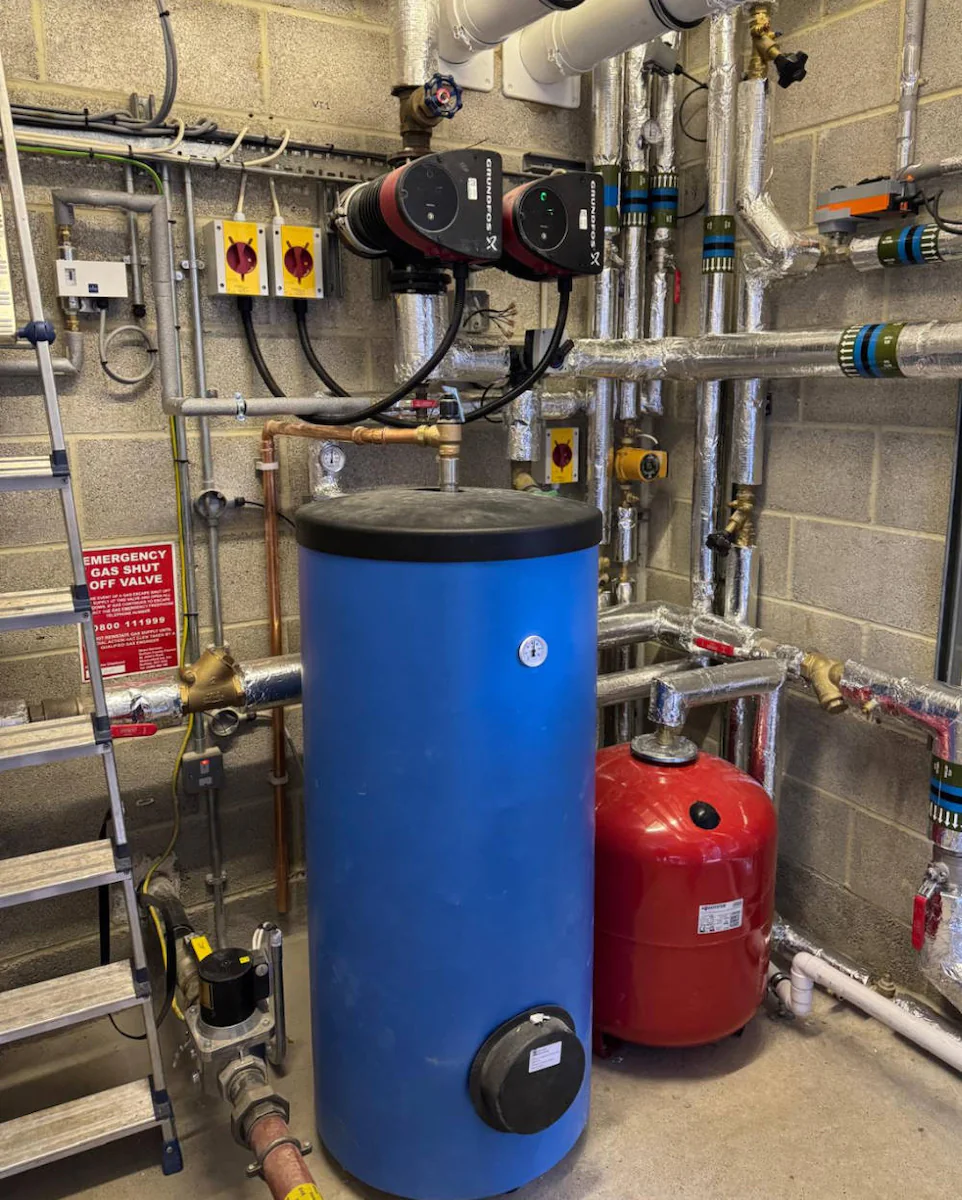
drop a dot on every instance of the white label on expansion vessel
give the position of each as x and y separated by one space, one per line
543 1057
719 918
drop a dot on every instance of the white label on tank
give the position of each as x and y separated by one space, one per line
472 188
718 918
544 1057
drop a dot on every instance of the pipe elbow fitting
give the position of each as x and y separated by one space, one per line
825 676
803 990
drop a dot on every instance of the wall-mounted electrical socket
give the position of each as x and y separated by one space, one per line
236 258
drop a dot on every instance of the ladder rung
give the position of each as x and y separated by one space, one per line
31 610
28 474
53 1133
56 872
69 1000
47 741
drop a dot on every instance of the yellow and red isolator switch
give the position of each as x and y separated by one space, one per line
236 254
295 262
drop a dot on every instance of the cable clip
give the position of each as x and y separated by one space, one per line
257 1166
278 780
264 466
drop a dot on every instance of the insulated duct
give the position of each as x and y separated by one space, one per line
470 26
570 43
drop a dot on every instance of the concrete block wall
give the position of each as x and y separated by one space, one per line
857 475
851 533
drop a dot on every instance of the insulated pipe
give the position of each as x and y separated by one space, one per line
621 686
718 264
907 246
673 698
470 26
71 365
417 332
607 91
663 222
935 707
787 941
909 82
919 172
634 215
570 43
929 350
808 970
414 43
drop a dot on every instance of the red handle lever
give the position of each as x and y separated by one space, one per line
919 918
144 729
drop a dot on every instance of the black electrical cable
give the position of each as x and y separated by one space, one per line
424 371
932 207
524 385
300 314
245 306
243 502
681 113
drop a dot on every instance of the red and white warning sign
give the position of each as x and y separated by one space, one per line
133 592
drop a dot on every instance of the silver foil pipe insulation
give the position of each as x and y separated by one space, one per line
922 171
929 350
634 234
69 365
607 92
781 250
787 941
910 78
414 42
525 428
718 264
922 246
749 407
935 707
620 687
673 698
418 322
661 297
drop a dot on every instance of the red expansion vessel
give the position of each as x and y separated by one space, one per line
685 889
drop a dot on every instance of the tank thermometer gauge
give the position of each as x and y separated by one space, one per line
333 458
533 651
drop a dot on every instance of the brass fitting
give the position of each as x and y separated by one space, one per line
825 675
522 480
213 681
766 49
740 530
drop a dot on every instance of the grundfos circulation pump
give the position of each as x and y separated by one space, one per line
555 227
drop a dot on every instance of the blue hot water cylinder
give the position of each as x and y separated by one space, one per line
449 651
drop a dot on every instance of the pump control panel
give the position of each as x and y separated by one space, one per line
294 252
236 255
439 208
91 280
555 226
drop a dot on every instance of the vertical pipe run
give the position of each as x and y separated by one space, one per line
607 83
136 275
717 270
663 221
634 216
909 82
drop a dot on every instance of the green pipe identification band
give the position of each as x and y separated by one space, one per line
945 794
870 351
611 174
913 246
718 245
634 198
663 200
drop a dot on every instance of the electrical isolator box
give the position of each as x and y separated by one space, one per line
235 255
295 262
561 454
91 280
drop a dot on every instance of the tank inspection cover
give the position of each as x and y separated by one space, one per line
555 226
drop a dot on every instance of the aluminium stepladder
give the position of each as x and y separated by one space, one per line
91 1121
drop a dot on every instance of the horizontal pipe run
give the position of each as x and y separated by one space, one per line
621 686
787 941
936 707
931 350
70 365
469 27
909 246
808 970
672 698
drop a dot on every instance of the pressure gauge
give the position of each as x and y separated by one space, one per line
333 459
651 133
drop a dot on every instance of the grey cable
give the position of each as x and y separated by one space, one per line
106 338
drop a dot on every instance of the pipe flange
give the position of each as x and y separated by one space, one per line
676 752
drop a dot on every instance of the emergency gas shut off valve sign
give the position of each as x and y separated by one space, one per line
133 592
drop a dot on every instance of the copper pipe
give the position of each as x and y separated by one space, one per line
446 438
284 1168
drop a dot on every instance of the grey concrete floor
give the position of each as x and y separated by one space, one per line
832 1107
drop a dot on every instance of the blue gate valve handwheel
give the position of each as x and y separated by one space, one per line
442 96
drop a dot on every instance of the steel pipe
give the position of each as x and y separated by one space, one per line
619 687
69 365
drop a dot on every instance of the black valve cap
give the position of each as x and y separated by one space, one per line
719 542
704 815
791 68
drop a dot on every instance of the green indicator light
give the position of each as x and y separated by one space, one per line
544 195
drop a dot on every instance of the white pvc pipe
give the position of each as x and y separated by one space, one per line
569 43
807 970
470 26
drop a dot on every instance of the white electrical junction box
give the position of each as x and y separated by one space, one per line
91 280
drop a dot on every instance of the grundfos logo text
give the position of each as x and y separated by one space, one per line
489 194
593 226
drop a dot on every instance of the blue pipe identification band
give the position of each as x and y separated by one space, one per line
718 245
634 198
663 200
611 175
945 793
914 246
870 351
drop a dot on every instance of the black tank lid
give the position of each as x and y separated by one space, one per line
425 525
